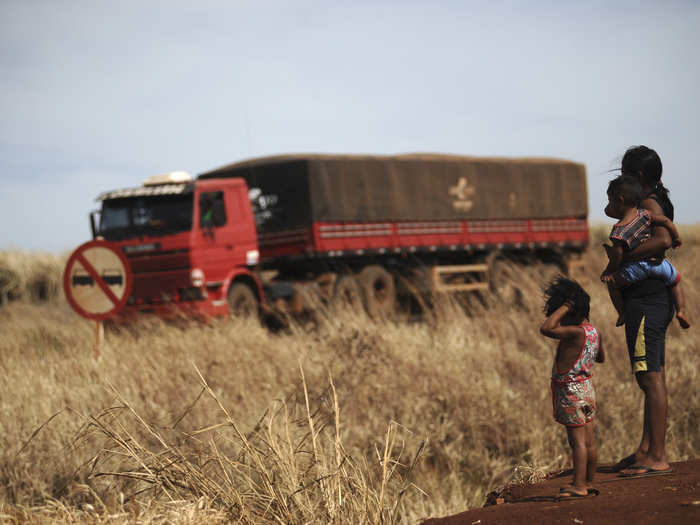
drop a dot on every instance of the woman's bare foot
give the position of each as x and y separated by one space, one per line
625 462
682 320
569 491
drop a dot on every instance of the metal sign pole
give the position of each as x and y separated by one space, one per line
97 283
99 338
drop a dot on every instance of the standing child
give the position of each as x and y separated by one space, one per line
567 307
632 229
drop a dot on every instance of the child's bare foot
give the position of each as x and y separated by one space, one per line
682 320
620 320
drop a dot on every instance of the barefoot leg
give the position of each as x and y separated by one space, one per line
577 441
679 302
653 384
616 299
592 454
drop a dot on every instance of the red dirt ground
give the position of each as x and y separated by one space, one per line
672 499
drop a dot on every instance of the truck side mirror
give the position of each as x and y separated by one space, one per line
94 223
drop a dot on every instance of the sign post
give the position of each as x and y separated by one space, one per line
97 283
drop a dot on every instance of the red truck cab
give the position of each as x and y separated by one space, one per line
190 244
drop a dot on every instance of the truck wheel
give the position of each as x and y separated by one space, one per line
379 291
242 301
347 293
573 265
504 281
545 272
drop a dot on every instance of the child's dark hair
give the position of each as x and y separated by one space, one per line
561 290
628 188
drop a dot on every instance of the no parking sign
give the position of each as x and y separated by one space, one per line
97 280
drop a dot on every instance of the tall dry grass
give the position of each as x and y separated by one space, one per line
351 421
29 276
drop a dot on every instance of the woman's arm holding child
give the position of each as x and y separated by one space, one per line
552 325
662 220
660 240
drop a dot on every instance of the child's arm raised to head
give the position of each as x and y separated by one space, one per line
553 328
662 220
600 356
660 239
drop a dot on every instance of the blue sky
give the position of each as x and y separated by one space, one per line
98 95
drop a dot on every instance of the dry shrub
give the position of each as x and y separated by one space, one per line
34 277
346 420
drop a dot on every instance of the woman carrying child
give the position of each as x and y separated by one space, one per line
648 310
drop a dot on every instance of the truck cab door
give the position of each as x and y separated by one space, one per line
225 236
214 240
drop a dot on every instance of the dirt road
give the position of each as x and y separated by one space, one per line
672 499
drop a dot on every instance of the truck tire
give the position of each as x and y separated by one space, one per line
347 294
543 273
504 280
379 291
242 301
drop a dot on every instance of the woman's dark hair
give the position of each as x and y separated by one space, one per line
562 289
628 188
645 163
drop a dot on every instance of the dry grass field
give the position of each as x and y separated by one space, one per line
351 421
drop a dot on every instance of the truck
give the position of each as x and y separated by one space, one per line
288 231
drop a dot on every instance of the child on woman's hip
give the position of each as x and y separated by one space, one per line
633 228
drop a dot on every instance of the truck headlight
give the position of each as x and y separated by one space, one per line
197 277
252 257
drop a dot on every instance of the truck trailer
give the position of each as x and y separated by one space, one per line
276 231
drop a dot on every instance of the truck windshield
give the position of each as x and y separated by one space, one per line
153 216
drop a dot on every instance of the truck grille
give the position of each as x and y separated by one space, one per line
159 261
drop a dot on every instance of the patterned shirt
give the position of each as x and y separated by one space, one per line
635 232
581 369
573 395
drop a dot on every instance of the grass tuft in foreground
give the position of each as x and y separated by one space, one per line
350 421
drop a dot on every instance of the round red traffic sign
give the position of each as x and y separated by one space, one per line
97 280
